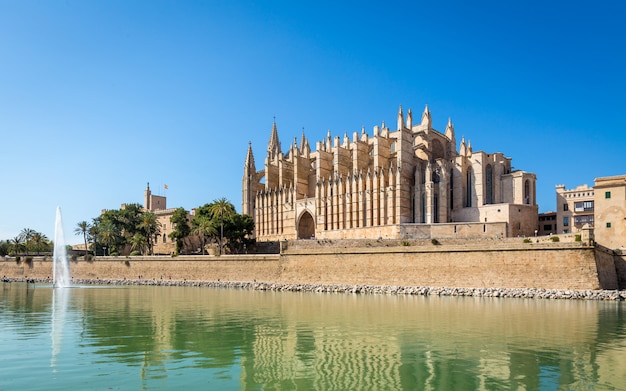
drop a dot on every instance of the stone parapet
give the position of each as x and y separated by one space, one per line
521 266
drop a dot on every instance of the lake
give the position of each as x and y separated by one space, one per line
197 338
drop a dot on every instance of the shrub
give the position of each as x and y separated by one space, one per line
554 238
528 240
577 238
88 257
406 243
435 242
134 253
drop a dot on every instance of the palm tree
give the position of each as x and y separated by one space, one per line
108 235
39 238
27 236
82 228
203 227
93 233
150 227
223 209
17 243
139 242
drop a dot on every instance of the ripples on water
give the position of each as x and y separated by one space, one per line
202 338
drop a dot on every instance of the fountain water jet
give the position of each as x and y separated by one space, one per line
60 264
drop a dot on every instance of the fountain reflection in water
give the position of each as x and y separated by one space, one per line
60 266
60 298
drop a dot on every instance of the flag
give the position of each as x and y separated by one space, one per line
165 186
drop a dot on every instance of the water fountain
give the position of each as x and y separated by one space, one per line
60 264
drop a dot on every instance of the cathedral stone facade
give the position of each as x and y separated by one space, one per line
407 183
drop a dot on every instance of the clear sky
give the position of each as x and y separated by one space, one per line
97 98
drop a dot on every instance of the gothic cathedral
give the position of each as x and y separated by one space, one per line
403 184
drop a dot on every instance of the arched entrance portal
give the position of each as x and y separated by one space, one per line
306 226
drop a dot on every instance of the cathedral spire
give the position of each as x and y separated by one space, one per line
250 159
249 183
426 119
450 135
305 148
400 118
450 129
409 119
294 148
273 148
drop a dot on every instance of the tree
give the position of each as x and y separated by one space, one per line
109 236
27 236
139 242
238 230
39 239
17 243
5 247
221 209
127 219
93 233
181 228
82 228
203 227
149 227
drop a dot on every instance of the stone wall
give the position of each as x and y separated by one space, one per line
515 266
620 269
548 268
207 268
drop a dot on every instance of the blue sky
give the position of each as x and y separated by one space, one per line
97 98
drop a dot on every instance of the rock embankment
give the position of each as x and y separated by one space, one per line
520 293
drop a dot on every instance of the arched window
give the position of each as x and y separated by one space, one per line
436 178
489 185
468 190
527 191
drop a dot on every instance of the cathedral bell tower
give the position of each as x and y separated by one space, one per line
248 184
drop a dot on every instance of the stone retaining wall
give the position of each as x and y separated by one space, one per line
620 269
538 267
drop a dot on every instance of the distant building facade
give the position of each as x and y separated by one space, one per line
610 211
574 208
158 205
406 183
547 224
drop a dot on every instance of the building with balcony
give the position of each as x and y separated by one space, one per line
574 208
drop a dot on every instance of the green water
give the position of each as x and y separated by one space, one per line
184 338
